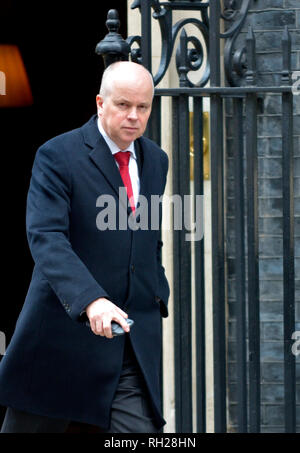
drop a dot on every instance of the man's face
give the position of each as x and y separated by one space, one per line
124 112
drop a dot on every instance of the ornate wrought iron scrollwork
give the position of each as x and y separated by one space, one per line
235 60
190 51
136 54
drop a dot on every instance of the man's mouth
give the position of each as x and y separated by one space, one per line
131 128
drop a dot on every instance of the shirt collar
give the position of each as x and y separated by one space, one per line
111 144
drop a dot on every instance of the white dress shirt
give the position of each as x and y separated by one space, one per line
133 168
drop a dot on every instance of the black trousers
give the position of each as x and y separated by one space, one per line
131 411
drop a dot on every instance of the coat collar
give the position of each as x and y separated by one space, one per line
102 157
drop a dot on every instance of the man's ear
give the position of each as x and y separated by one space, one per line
99 102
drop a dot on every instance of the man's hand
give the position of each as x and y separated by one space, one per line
101 313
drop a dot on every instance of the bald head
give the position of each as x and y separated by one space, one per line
124 102
127 72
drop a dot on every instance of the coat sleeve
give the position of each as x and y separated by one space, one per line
163 293
47 226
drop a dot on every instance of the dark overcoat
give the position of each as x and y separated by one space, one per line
55 365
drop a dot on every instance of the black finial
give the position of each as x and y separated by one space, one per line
113 47
112 23
182 59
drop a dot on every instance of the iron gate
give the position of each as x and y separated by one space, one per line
243 90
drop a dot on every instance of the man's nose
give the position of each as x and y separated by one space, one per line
133 114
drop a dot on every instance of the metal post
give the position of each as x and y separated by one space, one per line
240 266
199 271
146 34
182 271
216 139
288 241
253 259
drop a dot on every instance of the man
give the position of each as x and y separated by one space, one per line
63 364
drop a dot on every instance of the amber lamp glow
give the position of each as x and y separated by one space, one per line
14 84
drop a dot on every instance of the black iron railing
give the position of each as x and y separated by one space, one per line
239 66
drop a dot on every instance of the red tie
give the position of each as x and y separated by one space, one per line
122 157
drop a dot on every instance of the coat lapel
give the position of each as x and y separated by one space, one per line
101 156
104 160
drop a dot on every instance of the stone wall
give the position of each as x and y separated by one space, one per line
268 19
